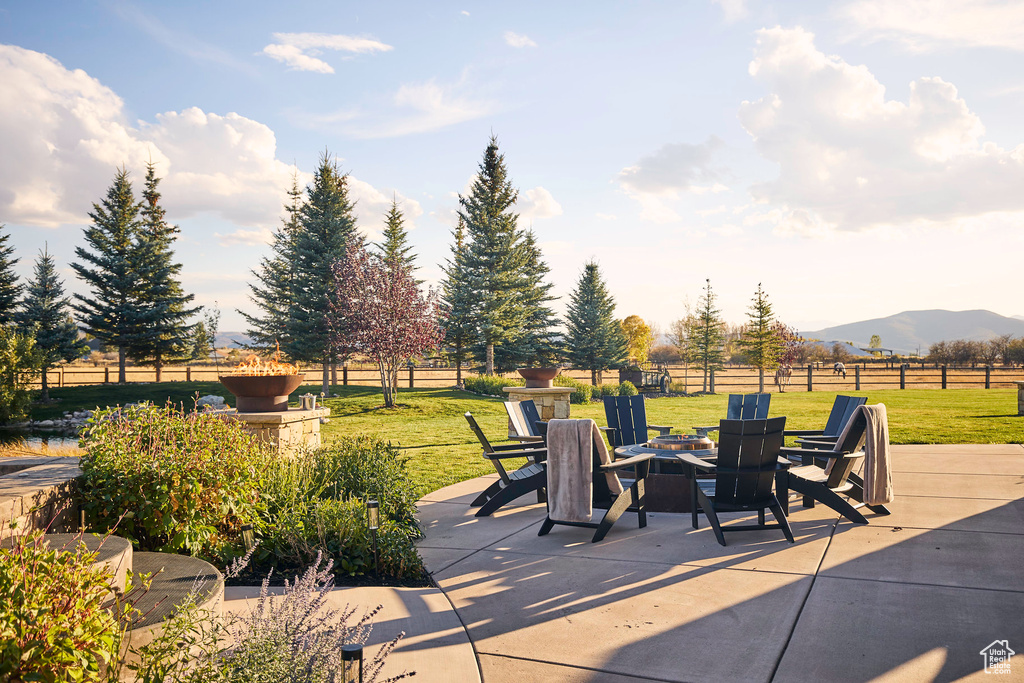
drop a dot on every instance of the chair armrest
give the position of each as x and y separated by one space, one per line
816 444
627 462
518 446
607 429
712 428
525 453
528 438
661 429
815 453
694 461
803 432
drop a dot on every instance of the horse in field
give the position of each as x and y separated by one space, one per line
782 376
839 369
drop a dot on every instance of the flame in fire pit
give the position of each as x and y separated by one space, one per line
254 366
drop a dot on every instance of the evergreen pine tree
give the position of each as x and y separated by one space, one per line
595 340
536 343
457 303
708 333
111 268
10 290
45 313
508 309
161 299
395 248
760 339
327 225
272 291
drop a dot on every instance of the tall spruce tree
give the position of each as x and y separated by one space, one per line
395 248
272 292
595 340
45 313
162 301
708 333
760 338
327 225
111 266
10 290
500 265
457 300
537 343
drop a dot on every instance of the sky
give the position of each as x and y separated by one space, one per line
856 159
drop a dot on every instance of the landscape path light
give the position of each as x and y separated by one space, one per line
248 537
350 654
373 523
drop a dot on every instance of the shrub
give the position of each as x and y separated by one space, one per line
677 387
582 392
53 625
188 481
315 502
19 361
627 389
608 389
491 385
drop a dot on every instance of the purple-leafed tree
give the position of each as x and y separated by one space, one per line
379 311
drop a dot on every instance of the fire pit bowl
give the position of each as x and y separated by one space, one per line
538 378
681 442
261 393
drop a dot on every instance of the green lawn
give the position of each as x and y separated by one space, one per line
429 427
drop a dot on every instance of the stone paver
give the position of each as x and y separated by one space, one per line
912 596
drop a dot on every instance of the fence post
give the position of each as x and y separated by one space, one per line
810 377
344 375
711 381
856 377
411 381
943 376
903 376
988 377
106 375
188 373
60 378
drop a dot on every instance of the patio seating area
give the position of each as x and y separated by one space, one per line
914 595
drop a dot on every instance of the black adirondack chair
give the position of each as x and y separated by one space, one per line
510 485
627 421
747 466
826 471
630 500
742 407
842 410
523 417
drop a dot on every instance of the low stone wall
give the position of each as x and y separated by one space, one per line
37 493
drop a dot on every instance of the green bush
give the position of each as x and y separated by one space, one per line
53 624
627 389
491 385
19 362
608 389
187 481
315 502
582 392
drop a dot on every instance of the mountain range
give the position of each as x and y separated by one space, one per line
910 331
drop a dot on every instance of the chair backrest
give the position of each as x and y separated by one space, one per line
748 451
523 417
628 417
479 433
748 406
842 411
849 442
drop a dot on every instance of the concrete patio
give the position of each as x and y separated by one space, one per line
915 596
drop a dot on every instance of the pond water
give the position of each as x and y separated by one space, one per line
35 438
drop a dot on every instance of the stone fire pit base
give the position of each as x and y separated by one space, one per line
287 430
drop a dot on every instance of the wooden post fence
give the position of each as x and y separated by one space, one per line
711 380
810 377
943 376
988 377
856 377
903 376
412 384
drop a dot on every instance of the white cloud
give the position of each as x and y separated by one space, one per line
657 181
372 205
69 134
413 108
923 25
732 10
249 238
465 13
605 216
518 40
850 159
537 203
300 51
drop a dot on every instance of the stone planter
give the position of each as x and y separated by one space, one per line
538 378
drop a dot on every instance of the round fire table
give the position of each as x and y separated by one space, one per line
666 489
